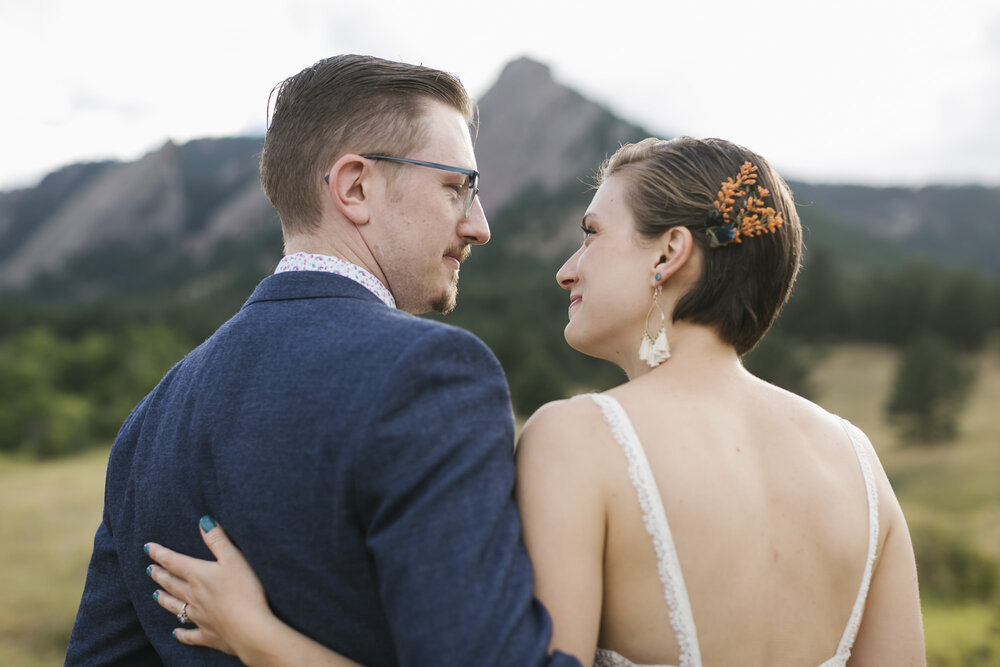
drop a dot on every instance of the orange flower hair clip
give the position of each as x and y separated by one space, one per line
753 218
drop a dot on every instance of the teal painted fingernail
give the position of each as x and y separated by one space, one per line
156 595
149 570
174 633
207 523
145 547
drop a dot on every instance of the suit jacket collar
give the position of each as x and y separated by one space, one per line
308 285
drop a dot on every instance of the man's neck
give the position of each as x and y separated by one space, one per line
356 253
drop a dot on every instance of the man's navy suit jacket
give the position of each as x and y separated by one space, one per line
362 460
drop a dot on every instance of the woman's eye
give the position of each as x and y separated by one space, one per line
587 231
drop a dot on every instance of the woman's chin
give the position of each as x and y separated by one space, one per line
575 340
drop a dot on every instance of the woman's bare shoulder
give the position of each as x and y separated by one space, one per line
567 415
567 428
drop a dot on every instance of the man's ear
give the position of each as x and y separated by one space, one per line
673 252
349 185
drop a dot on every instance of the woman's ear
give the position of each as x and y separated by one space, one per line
349 185
674 250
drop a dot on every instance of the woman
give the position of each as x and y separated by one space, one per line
761 529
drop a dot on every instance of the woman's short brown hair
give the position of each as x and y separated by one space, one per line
742 286
344 104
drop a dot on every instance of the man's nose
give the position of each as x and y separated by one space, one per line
474 229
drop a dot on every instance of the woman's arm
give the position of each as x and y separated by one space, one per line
563 515
891 631
226 602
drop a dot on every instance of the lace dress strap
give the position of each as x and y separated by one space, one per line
654 518
858 441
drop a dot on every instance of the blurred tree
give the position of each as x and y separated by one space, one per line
783 361
60 395
535 382
35 418
889 307
962 314
817 310
930 389
149 351
993 307
951 570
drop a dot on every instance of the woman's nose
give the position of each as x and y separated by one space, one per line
566 275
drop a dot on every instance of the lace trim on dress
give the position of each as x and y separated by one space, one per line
858 440
654 518
606 658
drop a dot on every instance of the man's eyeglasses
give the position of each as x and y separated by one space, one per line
472 187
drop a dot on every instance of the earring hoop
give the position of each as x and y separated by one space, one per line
655 351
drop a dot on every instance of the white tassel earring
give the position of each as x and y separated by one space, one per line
655 351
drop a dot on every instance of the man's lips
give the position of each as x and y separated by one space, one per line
458 255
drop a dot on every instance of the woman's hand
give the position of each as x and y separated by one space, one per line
225 599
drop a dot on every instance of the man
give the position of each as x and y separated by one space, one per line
360 456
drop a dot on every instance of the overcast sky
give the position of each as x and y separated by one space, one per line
862 91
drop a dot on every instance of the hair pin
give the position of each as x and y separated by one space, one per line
754 218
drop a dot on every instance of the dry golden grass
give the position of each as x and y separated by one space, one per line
49 514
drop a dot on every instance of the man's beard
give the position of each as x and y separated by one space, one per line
446 303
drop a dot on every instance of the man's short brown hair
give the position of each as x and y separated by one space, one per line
344 104
743 286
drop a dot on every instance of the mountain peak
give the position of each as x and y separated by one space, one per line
536 131
525 69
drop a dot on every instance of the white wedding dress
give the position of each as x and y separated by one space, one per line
655 519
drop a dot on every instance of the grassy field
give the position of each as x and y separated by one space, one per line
48 515
49 511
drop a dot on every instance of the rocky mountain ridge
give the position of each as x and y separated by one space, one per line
91 229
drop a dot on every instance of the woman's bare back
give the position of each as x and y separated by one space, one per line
769 514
